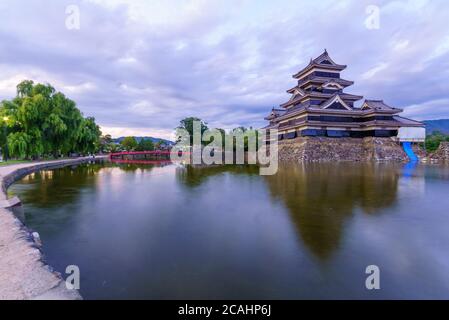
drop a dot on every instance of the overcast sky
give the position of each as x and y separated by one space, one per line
139 67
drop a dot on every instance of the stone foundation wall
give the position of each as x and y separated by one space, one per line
341 149
419 151
24 273
442 153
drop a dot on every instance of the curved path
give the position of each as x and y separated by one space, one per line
23 273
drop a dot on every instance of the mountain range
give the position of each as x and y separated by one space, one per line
138 139
441 125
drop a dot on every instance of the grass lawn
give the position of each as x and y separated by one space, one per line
3 163
10 162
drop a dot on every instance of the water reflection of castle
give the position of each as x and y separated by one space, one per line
322 197
319 197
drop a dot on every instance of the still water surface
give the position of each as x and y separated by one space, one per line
164 231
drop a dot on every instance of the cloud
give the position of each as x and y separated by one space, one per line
434 109
141 66
375 70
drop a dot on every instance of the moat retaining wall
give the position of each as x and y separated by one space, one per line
341 149
23 271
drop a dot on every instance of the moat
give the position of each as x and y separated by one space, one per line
171 232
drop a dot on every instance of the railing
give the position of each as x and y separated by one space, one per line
125 153
159 155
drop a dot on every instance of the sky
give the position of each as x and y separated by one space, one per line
139 67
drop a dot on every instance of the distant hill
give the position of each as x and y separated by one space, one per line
168 142
441 125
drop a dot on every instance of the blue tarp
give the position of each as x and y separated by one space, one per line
409 151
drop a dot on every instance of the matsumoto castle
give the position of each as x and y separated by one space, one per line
320 107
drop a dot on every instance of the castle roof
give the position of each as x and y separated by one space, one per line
319 95
275 113
321 81
378 105
323 61
408 122
335 98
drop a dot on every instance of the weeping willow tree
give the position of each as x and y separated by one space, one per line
18 144
88 137
40 121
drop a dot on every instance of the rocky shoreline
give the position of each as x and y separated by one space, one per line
23 271
442 153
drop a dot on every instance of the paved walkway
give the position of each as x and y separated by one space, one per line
23 274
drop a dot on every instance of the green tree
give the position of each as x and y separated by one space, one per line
106 143
65 141
43 122
25 88
243 130
433 141
106 139
18 144
112 147
145 145
88 136
187 124
129 143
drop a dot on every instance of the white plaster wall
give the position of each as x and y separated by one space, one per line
412 134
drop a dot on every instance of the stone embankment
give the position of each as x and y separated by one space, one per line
442 153
23 272
341 149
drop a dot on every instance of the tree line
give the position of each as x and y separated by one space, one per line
434 139
187 125
41 122
131 144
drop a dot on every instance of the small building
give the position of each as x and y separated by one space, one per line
319 106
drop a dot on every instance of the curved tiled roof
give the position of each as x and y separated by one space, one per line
345 96
317 79
275 113
408 121
321 80
324 57
322 61
377 105
337 97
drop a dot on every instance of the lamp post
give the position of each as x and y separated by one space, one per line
5 149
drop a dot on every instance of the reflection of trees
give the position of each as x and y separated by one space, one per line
192 176
56 187
134 166
321 197
62 186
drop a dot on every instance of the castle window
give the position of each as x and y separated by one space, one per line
290 135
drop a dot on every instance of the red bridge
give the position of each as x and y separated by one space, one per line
125 153
157 155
